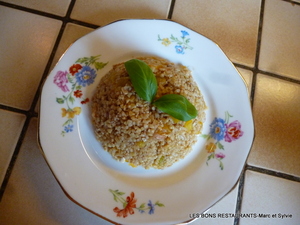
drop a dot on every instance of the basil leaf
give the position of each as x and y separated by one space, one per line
142 78
177 106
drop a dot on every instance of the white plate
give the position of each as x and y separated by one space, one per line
92 178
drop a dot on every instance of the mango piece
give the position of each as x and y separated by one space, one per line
132 165
189 125
175 120
140 144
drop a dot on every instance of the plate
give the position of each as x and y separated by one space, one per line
114 190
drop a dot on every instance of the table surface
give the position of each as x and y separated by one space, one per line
261 38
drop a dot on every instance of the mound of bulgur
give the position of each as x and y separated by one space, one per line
134 131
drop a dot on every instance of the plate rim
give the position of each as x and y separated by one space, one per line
116 21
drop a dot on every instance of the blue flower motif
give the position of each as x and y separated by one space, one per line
184 33
151 207
69 128
217 129
179 49
86 76
141 211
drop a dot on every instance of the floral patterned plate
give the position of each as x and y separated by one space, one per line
116 191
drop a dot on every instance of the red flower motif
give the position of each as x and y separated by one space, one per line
130 205
85 101
78 93
233 131
75 68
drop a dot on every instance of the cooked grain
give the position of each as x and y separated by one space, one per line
135 131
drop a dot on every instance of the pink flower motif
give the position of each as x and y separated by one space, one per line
233 131
220 155
60 79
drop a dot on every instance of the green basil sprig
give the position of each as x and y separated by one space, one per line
142 78
177 106
145 84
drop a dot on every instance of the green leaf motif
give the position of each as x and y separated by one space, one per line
210 156
117 192
206 136
71 99
120 193
177 106
173 38
220 146
84 60
142 78
88 60
115 198
117 195
159 204
60 100
69 121
221 165
142 206
93 59
99 65
70 78
227 116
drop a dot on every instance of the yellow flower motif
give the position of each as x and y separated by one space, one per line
63 112
70 113
166 41
211 147
77 110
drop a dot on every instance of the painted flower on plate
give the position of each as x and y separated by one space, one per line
184 33
86 76
68 128
78 93
233 131
151 207
81 74
61 80
181 43
85 101
130 204
217 129
166 41
75 68
179 49
70 113
211 147
220 155
221 130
